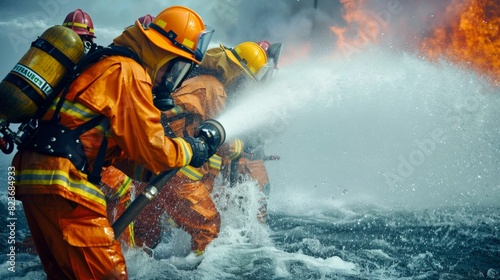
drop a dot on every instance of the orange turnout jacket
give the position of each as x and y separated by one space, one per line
186 198
120 89
132 125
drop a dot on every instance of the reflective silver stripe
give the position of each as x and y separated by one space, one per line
215 162
75 109
191 173
60 179
185 149
238 148
177 110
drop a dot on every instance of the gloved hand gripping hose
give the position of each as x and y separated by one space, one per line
212 134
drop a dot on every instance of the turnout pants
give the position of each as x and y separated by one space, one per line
189 205
73 241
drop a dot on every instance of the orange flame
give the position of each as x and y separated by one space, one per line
469 34
471 39
361 28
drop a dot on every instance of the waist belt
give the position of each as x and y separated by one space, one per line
54 139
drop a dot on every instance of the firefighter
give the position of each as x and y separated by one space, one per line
186 198
80 22
146 19
250 164
112 107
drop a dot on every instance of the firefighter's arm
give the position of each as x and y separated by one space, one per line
136 127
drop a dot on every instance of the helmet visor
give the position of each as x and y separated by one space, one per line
274 52
204 39
267 72
263 72
177 69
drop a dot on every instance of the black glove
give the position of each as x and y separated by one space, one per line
200 151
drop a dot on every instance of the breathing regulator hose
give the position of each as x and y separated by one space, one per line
6 137
6 146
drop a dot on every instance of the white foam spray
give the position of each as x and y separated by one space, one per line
380 128
276 103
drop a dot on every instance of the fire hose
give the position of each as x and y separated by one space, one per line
212 133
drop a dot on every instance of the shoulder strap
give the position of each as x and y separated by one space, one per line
95 175
85 62
99 53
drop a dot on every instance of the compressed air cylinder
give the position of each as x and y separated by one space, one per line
32 80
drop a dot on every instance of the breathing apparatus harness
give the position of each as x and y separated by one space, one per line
52 138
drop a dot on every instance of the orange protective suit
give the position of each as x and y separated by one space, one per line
186 197
65 212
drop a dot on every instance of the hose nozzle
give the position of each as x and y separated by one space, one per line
213 133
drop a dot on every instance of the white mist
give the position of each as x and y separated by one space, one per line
380 128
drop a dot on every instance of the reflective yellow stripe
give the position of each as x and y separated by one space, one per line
77 110
131 233
186 150
188 43
130 228
124 187
77 24
215 162
176 110
191 172
52 177
237 149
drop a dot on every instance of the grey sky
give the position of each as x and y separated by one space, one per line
234 20
292 22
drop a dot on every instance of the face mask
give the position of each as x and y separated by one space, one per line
176 71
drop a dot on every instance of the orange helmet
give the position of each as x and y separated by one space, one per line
181 31
146 20
250 57
80 22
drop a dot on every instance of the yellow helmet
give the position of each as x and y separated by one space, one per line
181 31
250 57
